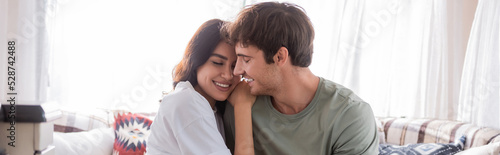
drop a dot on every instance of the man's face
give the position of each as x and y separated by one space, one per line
263 78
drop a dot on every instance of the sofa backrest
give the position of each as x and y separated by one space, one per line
402 131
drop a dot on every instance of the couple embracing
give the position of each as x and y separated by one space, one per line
280 106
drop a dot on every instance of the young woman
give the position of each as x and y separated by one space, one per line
189 119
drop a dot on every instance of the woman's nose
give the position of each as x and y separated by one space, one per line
228 74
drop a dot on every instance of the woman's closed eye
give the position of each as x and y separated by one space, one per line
218 63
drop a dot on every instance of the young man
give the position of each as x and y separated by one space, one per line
295 112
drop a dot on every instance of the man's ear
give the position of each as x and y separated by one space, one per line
281 57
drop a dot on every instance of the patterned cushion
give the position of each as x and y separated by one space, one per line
402 131
423 148
76 120
114 113
131 133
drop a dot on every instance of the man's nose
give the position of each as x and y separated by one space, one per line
238 68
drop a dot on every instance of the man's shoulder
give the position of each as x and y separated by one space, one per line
341 99
333 89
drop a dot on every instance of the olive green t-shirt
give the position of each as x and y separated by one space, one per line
335 122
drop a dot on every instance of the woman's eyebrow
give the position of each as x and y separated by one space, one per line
220 56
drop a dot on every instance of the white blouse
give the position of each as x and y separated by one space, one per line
185 124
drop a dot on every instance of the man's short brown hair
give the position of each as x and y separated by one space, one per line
272 25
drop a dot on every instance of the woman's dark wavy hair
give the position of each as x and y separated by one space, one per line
199 49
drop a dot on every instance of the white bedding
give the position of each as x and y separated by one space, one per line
94 142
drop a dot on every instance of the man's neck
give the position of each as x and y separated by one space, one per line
297 92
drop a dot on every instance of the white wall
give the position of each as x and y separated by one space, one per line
21 22
3 47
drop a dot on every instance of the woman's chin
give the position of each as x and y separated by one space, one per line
221 98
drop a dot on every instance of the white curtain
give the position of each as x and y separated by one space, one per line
119 54
480 86
27 23
402 57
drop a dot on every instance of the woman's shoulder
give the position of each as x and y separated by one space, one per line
183 97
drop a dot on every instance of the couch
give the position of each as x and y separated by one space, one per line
92 133
404 132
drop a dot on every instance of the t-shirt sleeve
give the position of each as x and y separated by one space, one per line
359 134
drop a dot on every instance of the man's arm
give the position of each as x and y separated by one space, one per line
359 134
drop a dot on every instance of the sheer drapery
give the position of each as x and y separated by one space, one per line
27 23
480 88
403 57
119 54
